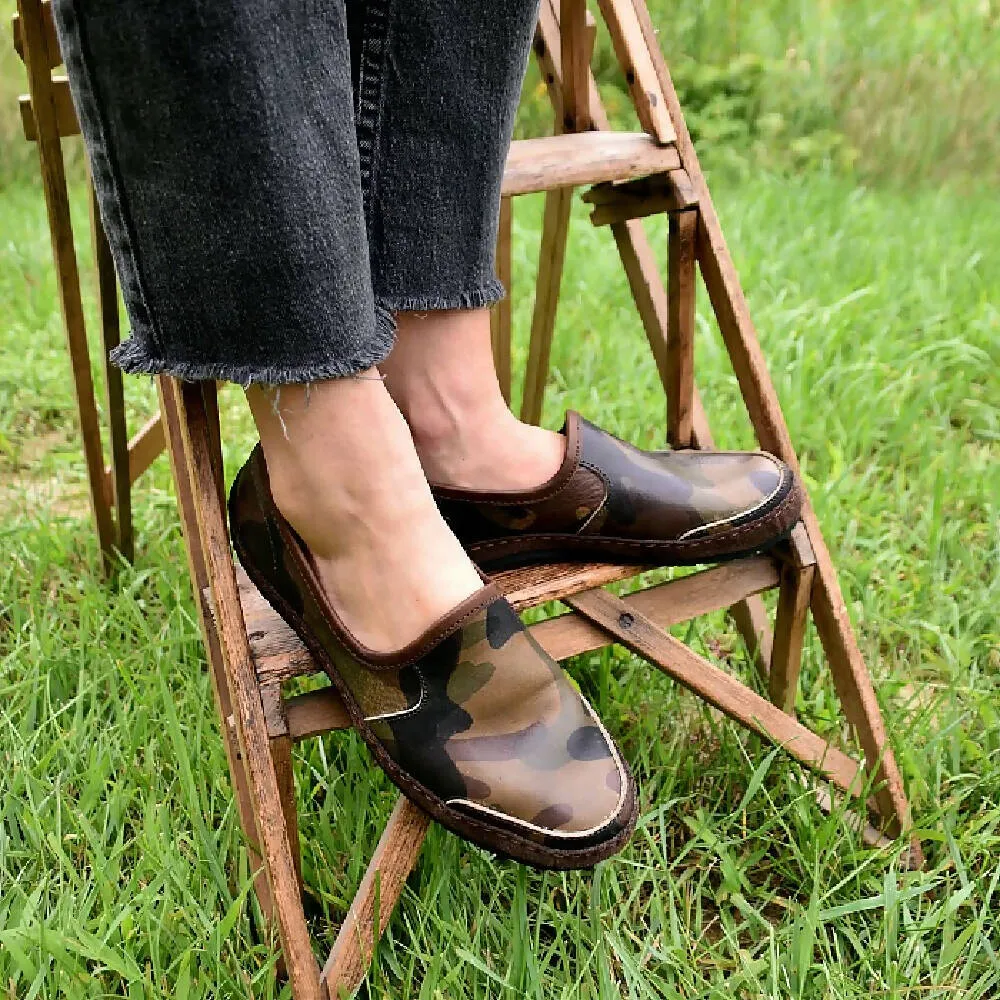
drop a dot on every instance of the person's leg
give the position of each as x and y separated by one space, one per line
223 143
450 77
442 377
231 173
345 474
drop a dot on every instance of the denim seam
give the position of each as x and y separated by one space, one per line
105 170
478 297
371 93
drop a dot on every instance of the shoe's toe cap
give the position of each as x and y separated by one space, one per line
731 489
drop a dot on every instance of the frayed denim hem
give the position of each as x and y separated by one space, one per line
474 298
133 357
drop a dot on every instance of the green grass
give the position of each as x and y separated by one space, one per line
122 869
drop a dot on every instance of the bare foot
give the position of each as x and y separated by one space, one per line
345 475
441 375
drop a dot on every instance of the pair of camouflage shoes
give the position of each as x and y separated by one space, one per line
473 720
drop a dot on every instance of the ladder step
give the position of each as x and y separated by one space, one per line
582 159
66 120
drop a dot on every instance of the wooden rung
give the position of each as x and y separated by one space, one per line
531 586
314 713
393 860
66 121
143 449
654 195
636 632
582 159
666 604
53 57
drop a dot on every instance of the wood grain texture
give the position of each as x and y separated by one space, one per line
66 122
681 284
168 390
637 66
789 631
551 257
44 113
394 858
201 456
52 56
281 761
576 40
849 671
708 682
501 314
117 473
585 158
638 199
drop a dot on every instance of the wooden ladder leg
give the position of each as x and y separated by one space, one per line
680 328
188 411
280 745
574 41
107 304
794 593
53 173
650 296
555 229
169 394
199 432
500 317
850 674
382 885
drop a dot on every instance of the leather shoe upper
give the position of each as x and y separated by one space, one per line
606 488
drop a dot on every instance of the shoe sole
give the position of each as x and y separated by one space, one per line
505 843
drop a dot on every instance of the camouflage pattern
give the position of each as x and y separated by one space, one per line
499 728
608 488
479 715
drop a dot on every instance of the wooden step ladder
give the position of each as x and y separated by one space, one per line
252 653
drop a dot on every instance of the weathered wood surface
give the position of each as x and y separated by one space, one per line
637 66
52 55
682 288
582 159
202 457
44 114
501 330
393 860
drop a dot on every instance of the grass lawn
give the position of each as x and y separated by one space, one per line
122 868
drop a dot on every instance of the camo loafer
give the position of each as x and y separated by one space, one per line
472 720
611 501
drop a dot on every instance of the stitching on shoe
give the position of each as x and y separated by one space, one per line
749 512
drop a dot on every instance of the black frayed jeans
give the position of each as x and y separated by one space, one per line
278 177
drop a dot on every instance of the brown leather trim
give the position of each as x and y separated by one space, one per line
733 543
548 489
370 658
